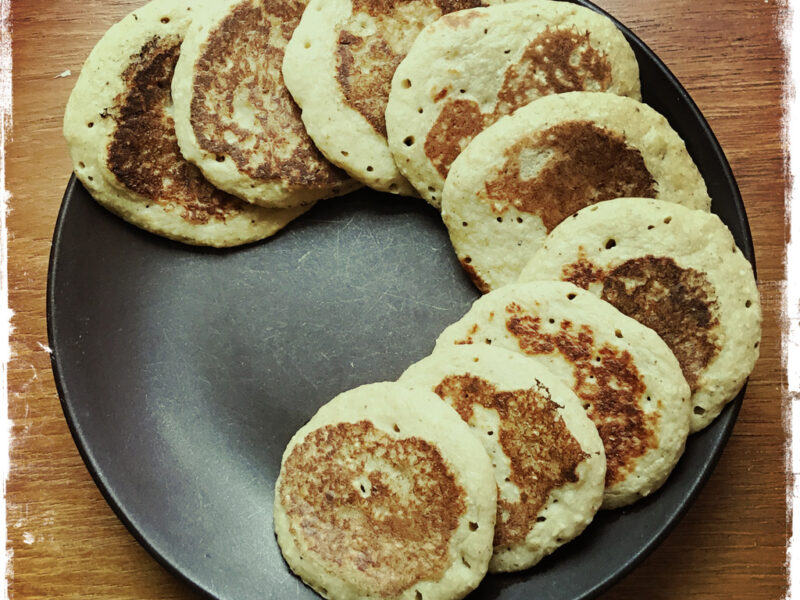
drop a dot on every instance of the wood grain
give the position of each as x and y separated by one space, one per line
66 541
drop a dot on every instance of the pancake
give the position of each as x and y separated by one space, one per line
470 68
339 66
522 176
121 137
234 117
385 493
548 459
675 270
626 377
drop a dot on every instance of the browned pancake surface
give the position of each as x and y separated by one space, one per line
144 155
379 510
543 453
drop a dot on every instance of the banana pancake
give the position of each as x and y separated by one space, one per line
625 376
468 69
119 128
385 493
234 117
527 172
548 459
675 270
339 66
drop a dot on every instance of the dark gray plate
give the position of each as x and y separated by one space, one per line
183 372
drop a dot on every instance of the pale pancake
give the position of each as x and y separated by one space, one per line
548 459
385 493
674 269
468 69
234 117
339 66
121 137
626 377
522 176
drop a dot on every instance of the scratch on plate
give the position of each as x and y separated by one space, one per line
63 74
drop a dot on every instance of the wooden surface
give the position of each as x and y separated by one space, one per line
67 543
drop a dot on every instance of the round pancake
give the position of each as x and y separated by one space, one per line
626 377
234 117
548 459
119 129
522 176
675 270
339 66
470 68
385 493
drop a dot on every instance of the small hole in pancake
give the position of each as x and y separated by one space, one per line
406 83
393 187
650 226
433 197
345 153
463 91
618 333
81 165
489 341
551 321
468 259
466 564
541 519
555 501
699 410
165 20
519 219
252 221
499 219
559 540
418 595
648 399
91 178
370 168
668 220
506 51
307 45
586 406
220 158
396 428
485 31
420 110
755 345
431 188
748 304
90 124
610 244
464 223
147 206
490 433
409 141
733 249
363 489
473 526
570 296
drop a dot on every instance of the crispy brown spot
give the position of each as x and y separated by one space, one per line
543 453
240 106
611 387
554 62
582 272
377 510
482 286
676 303
581 164
144 155
366 64
454 128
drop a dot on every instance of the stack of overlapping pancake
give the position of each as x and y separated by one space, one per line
618 314
236 124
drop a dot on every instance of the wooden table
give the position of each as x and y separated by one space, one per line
66 541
